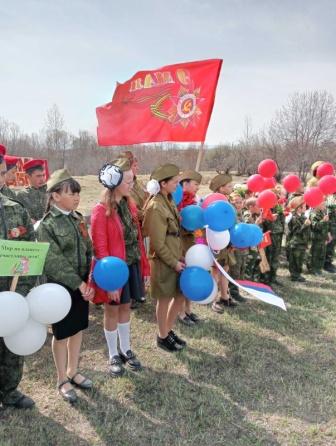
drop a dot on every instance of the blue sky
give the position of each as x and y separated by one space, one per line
72 52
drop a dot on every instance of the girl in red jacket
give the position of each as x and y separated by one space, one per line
116 232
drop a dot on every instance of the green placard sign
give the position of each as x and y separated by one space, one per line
22 258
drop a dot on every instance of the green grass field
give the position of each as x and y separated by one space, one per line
254 376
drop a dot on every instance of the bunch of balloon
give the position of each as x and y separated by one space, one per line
23 321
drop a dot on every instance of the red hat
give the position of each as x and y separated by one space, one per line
3 150
33 163
11 161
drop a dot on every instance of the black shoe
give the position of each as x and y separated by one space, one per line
134 304
116 368
298 279
186 320
169 344
229 302
217 307
329 268
177 339
68 395
24 402
131 360
193 317
238 297
85 384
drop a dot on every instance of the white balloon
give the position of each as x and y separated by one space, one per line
217 240
211 297
14 312
49 303
199 255
28 340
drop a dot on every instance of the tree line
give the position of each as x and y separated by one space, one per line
302 131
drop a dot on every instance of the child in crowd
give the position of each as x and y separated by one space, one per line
222 183
237 271
253 215
68 264
116 232
162 226
298 238
320 237
190 181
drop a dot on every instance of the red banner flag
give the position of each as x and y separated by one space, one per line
173 103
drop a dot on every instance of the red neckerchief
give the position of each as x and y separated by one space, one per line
187 200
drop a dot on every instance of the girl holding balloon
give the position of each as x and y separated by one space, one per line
116 232
68 264
162 226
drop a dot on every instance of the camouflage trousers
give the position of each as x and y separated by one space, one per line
252 270
330 252
237 271
11 367
296 258
317 256
273 253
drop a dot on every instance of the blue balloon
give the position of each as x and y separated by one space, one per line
178 194
220 215
192 217
256 234
240 235
111 273
196 283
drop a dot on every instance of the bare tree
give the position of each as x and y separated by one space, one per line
304 127
56 138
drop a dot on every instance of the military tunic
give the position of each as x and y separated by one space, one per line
8 192
319 235
253 258
330 252
139 196
15 224
277 228
162 226
297 244
237 270
34 200
68 264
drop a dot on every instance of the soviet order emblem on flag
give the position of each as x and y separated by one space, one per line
173 103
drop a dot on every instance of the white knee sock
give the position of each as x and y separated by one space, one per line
112 342
124 337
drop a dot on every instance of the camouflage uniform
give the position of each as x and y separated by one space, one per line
319 229
237 270
253 257
330 252
15 224
297 244
34 200
277 228
69 256
8 192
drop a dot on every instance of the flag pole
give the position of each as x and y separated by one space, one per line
200 157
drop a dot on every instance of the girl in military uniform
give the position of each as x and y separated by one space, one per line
116 232
68 264
162 226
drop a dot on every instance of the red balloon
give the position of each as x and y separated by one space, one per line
313 197
213 197
269 183
325 169
291 183
267 168
267 199
256 183
327 185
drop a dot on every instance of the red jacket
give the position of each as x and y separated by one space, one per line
108 240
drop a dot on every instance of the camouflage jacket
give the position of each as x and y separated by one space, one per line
70 253
15 224
298 233
331 208
8 192
319 227
162 226
34 200
277 226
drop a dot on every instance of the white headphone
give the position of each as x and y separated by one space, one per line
110 176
